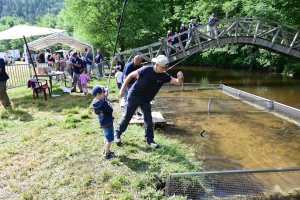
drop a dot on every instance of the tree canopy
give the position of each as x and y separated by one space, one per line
145 22
29 9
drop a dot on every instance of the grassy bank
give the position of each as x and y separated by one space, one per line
53 150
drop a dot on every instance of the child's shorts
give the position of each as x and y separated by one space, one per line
109 133
83 85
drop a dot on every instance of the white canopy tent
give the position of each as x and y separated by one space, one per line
57 38
21 30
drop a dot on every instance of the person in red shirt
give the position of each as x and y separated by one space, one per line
169 41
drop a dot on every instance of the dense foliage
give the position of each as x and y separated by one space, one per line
145 22
29 10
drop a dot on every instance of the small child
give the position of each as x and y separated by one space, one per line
118 76
105 118
83 78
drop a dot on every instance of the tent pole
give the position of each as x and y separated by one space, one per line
33 64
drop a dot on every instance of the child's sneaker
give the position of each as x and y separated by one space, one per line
109 152
109 156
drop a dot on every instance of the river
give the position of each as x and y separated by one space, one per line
273 86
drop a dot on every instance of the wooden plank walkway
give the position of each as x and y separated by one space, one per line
122 101
157 118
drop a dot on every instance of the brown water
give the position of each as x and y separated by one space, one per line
237 135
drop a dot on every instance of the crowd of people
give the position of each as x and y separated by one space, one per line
185 33
77 65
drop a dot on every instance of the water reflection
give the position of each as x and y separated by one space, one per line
274 86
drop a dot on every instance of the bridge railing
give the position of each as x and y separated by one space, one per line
253 31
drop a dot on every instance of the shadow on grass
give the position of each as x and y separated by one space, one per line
133 145
134 164
16 114
56 104
154 159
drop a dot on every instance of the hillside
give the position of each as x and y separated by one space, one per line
29 9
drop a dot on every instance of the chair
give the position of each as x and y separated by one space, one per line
37 87
43 88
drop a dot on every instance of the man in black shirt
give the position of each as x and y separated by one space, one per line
4 100
76 64
150 80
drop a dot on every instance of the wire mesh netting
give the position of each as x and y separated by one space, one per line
97 70
101 69
287 111
211 101
242 131
270 105
259 184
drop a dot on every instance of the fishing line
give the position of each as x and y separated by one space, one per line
117 38
185 58
180 62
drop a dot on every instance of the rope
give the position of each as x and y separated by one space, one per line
117 38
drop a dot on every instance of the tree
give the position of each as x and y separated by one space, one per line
29 9
98 22
6 23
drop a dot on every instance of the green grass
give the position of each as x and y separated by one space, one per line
53 150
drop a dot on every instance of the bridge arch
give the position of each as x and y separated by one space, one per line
267 34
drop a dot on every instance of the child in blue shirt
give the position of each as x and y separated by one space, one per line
104 111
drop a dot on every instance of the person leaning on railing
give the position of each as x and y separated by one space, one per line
192 26
211 27
4 100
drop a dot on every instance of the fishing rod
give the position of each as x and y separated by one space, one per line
185 58
117 38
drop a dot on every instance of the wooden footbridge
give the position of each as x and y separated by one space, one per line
267 34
